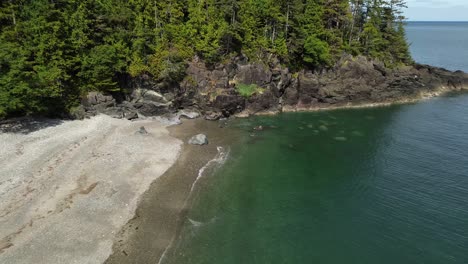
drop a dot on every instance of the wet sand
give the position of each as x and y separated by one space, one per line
162 209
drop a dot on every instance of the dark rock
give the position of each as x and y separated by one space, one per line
220 78
229 104
115 112
97 98
253 74
380 67
211 89
291 94
265 101
151 109
281 79
198 77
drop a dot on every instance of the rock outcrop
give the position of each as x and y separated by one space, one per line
213 91
358 81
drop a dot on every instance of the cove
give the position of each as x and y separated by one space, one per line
376 185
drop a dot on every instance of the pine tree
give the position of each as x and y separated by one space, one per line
54 52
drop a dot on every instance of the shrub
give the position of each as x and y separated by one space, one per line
247 90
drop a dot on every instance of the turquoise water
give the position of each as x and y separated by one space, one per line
443 44
378 185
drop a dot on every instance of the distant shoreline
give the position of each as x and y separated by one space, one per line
408 100
435 21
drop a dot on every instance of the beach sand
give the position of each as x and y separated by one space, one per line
150 234
68 187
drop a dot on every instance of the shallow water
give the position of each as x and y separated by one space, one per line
378 185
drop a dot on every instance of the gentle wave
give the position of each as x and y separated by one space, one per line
218 160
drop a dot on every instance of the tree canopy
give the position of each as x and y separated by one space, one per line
54 51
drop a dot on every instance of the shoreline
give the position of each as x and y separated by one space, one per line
148 236
129 246
423 95
159 210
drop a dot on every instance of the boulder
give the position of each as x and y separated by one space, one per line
151 108
265 101
148 95
198 77
97 98
131 115
199 139
229 104
219 78
253 74
213 115
189 114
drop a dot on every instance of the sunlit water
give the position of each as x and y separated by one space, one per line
443 44
378 185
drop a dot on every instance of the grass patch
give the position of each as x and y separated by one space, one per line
247 90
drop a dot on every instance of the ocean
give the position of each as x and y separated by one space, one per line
375 185
443 44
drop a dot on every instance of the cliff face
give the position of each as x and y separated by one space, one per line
214 91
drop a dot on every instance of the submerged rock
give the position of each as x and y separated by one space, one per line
199 139
357 133
323 128
340 138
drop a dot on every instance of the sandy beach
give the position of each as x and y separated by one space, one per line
149 236
68 188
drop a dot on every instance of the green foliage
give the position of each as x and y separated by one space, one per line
100 65
247 90
316 51
53 52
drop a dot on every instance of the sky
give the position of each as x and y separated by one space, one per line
437 10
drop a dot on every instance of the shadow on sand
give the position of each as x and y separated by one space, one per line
26 125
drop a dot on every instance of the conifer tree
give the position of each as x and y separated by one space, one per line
54 52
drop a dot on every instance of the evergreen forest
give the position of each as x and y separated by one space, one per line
52 52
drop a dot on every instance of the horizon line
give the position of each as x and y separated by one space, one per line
436 20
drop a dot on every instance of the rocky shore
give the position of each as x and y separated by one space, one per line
111 163
214 91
